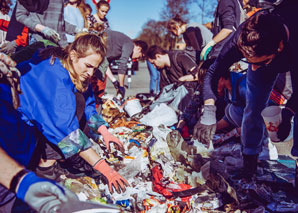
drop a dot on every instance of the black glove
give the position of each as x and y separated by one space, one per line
205 128
116 85
121 91
284 127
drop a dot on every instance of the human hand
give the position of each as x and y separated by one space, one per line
114 178
41 194
9 47
121 91
205 128
12 74
116 85
206 50
109 138
284 127
50 34
81 30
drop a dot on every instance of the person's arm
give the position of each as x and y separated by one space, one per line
229 55
227 19
41 194
206 126
70 28
23 16
4 24
226 12
8 166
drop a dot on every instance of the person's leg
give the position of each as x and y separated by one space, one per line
157 81
294 151
153 77
259 85
121 79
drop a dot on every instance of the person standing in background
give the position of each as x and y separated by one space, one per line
73 15
154 79
4 9
229 14
102 9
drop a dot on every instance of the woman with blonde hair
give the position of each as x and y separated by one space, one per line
58 100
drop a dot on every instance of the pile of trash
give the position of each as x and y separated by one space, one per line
169 174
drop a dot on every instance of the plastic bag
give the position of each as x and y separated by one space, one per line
171 95
161 114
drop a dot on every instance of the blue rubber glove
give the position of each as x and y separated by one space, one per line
41 194
284 127
206 50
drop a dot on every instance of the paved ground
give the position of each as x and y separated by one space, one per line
140 84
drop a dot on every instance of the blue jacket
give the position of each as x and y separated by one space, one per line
238 96
16 137
48 102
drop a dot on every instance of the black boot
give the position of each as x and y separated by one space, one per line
249 167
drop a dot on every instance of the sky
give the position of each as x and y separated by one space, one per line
128 16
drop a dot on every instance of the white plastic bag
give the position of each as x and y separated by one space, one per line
161 114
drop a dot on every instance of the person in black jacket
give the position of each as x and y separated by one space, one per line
267 40
229 15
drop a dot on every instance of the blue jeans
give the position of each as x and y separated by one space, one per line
154 78
259 85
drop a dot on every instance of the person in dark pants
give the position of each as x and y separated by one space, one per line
268 41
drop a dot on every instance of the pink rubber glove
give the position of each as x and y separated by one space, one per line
109 138
113 177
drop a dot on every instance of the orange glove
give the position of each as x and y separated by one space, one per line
113 177
109 138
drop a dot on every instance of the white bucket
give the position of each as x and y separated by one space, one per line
272 118
133 106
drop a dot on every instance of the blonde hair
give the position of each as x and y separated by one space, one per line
84 45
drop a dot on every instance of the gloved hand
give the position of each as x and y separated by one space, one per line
205 128
121 91
114 179
9 47
81 30
109 138
50 34
284 127
41 194
116 85
206 50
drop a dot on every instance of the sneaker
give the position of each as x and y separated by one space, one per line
53 172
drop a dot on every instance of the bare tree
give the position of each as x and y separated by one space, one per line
174 7
206 9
